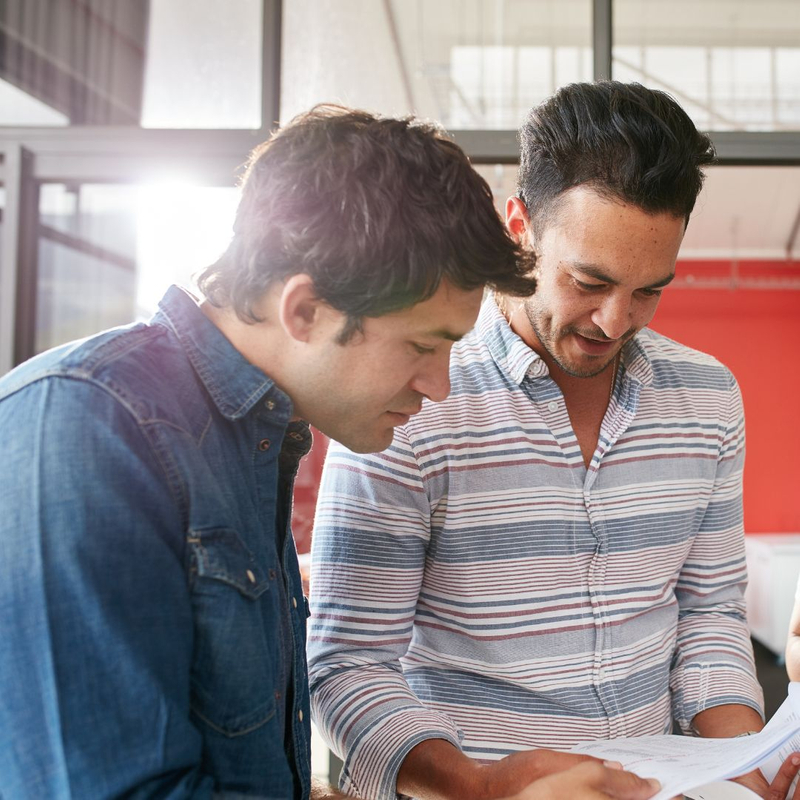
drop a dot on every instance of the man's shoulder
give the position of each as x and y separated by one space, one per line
139 366
473 366
482 395
680 364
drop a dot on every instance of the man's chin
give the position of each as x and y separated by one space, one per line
586 366
361 443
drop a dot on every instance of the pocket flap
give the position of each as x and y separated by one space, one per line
220 554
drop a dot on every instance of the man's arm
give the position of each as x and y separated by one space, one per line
793 640
436 770
321 791
371 533
589 781
713 670
369 549
713 679
97 624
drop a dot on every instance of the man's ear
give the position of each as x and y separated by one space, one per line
299 308
518 222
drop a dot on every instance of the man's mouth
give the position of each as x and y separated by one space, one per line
404 416
595 347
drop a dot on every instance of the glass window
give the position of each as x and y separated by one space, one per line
155 63
2 229
467 64
107 253
203 64
502 180
732 65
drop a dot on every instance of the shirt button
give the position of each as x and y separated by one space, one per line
300 715
250 576
552 406
272 575
263 445
294 602
270 404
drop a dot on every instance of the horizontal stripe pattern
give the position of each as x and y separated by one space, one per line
477 583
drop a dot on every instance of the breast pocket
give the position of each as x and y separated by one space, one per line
234 606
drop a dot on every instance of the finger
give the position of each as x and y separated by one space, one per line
755 781
782 782
618 784
626 786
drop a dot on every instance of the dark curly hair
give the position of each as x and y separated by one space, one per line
622 139
377 211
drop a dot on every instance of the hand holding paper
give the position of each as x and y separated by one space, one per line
686 763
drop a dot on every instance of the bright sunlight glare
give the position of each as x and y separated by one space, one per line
181 228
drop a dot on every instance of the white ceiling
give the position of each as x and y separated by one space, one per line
745 212
742 212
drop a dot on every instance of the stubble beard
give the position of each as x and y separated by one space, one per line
547 341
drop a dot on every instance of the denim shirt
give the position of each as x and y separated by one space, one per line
153 622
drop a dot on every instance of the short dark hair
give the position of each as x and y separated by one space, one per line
622 139
378 211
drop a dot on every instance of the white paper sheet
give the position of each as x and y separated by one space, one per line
683 763
722 790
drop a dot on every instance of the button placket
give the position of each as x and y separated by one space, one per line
596 583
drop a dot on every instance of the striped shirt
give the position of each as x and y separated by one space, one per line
476 582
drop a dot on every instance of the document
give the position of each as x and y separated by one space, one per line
695 766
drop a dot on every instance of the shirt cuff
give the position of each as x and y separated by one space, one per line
698 687
371 767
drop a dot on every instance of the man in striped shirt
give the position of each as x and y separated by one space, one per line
555 553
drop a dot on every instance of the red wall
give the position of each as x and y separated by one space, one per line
756 333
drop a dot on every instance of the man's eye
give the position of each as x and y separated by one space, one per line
421 349
651 292
589 287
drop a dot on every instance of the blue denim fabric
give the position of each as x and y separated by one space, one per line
152 641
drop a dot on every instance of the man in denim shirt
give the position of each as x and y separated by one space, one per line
153 616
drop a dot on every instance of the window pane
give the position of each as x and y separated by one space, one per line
732 65
108 253
473 65
203 64
155 63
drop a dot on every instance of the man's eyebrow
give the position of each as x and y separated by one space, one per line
662 283
593 271
443 333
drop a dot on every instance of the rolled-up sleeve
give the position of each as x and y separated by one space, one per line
97 626
371 534
713 663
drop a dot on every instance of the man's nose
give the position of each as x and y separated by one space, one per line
613 315
433 381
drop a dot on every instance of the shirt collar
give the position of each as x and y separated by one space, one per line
514 358
517 360
233 383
